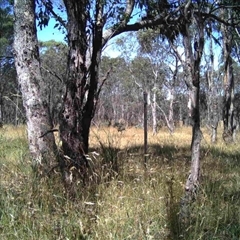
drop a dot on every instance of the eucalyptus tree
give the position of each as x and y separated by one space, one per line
27 61
90 25
150 73
193 42
237 94
227 31
212 82
156 53
198 16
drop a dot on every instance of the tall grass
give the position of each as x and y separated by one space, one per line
129 200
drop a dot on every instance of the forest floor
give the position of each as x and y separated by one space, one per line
126 199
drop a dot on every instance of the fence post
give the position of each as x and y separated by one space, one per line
145 127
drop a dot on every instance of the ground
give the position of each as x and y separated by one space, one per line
125 199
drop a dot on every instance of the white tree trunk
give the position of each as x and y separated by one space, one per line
27 64
154 113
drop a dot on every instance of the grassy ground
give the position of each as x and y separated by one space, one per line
129 201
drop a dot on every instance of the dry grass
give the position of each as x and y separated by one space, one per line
134 137
130 201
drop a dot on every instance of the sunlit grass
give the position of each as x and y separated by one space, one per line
130 200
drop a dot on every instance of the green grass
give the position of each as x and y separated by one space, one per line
128 201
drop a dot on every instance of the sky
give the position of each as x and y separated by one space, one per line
51 33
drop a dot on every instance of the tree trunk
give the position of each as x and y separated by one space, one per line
193 179
80 99
170 112
180 113
72 131
154 112
228 110
228 81
212 97
214 110
1 111
27 62
192 69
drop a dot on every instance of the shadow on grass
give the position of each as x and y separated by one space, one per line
156 153
215 214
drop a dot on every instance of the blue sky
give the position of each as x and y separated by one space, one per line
50 33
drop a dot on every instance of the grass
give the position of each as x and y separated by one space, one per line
129 201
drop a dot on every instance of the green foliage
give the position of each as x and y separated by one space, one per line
8 83
6 28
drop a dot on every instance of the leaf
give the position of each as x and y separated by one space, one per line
56 25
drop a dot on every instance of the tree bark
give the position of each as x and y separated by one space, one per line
154 112
27 62
71 117
192 69
212 97
81 95
170 112
228 81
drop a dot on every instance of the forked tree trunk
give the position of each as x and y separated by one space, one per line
79 102
27 62
72 130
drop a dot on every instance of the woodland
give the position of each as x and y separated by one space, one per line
142 145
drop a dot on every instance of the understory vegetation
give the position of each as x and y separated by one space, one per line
125 199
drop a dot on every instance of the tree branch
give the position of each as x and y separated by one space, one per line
160 21
56 16
49 131
103 81
128 11
52 73
100 88
166 118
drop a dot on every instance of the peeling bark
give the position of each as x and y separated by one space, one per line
81 96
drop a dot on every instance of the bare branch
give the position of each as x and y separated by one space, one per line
100 88
166 118
103 81
176 52
52 73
